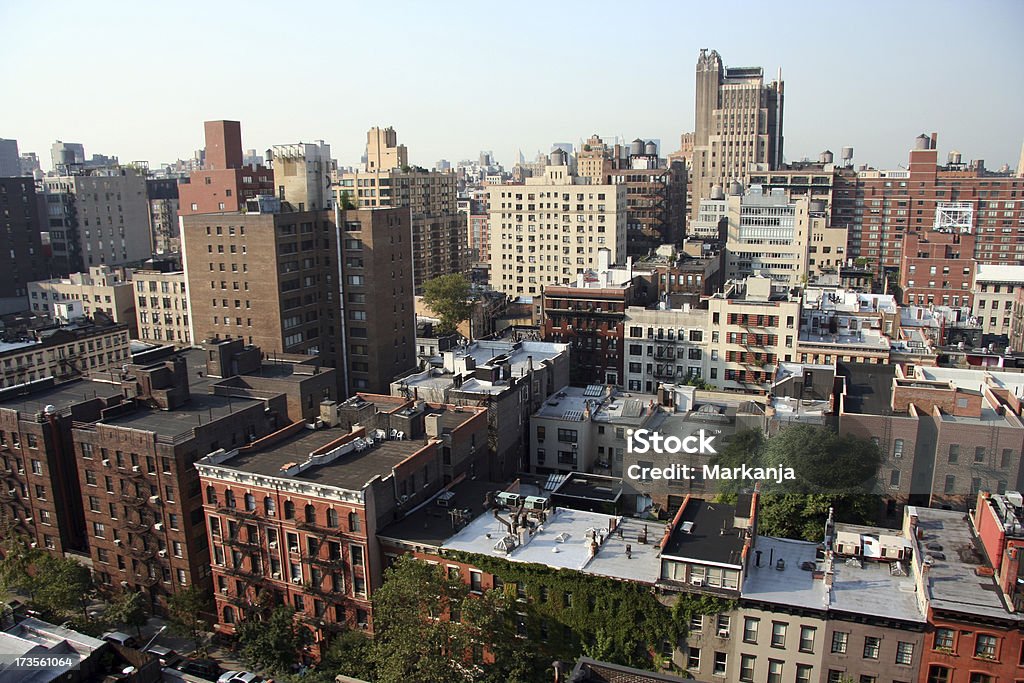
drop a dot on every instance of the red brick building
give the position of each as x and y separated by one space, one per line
293 517
882 207
224 183
937 268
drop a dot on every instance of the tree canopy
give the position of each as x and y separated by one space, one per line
447 296
272 640
183 611
832 471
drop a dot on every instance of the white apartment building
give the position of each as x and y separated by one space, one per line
162 307
994 293
552 228
665 345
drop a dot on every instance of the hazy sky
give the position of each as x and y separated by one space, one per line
137 79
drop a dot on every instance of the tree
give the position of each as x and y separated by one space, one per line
351 653
272 641
17 568
183 611
744 448
345 201
447 296
832 471
411 642
128 609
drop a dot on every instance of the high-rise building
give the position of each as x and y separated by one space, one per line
271 278
20 240
655 191
552 228
223 184
30 165
881 207
738 125
97 217
10 162
438 228
302 175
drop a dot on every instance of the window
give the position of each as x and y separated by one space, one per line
750 625
778 634
696 623
944 639
723 625
979 454
99 530
474 581
871 647
332 518
979 677
747 667
721 662
774 671
803 673
904 653
354 524
693 658
807 638
985 646
938 674
954 453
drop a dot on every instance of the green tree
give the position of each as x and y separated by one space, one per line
17 568
184 610
351 653
832 471
272 641
743 448
66 587
345 201
128 609
412 642
447 296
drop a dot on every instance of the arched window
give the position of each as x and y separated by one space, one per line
211 495
332 518
250 502
289 510
310 514
229 498
353 522
269 508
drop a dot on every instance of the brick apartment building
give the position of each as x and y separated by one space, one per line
938 269
224 183
294 515
945 433
301 305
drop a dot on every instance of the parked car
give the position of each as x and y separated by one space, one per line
206 669
166 656
239 677
121 639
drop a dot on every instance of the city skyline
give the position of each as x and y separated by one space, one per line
916 85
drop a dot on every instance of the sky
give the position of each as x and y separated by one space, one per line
137 79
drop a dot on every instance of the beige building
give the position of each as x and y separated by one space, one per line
162 307
302 175
753 327
552 228
995 288
438 228
738 125
779 238
101 290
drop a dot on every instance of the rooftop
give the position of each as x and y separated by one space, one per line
946 546
350 472
34 397
868 387
603 403
433 522
998 273
483 353
858 587
199 410
563 541
712 536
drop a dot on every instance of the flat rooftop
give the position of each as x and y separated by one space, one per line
868 387
432 523
951 581
350 472
60 396
201 409
517 355
562 542
858 587
705 541
871 341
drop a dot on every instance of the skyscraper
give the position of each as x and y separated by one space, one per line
738 124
